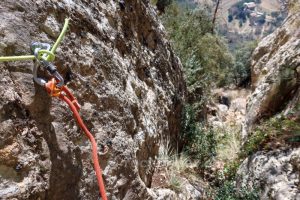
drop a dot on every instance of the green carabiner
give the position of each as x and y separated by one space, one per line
50 54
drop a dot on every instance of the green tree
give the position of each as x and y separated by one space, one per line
199 140
241 71
206 61
204 56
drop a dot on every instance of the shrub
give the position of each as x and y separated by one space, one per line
228 191
173 167
241 70
228 143
200 141
261 19
280 129
237 11
230 169
275 14
175 183
180 163
204 56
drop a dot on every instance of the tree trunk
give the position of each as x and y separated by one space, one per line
215 16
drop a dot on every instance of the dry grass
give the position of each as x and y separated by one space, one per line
172 169
165 149
179 164
229 144
175 183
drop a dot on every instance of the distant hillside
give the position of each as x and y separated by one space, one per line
246 19
257 18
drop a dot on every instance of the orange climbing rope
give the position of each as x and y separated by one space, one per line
64 94
44 54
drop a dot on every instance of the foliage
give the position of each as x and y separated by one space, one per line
241 71
175 183
277 129
180 163
200 141
231 168
230 18
237 11
174 166
204 56
228 143
228 147
275 14
206 60
261 19
228 191
179 166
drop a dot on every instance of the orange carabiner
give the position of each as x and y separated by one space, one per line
52 89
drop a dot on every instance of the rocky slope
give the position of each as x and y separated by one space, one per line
275 171
229 107
124 75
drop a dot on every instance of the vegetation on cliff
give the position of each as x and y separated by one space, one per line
208 63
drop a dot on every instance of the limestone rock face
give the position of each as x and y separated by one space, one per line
187 191
275 81
275 73
125 76
275 174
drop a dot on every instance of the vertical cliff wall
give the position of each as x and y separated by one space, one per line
125 76
274 171
275 73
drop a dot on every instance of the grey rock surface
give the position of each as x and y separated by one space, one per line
275 73
125 76
275 174
275 80
188 191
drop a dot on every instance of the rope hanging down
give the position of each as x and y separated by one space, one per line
64 94
56 88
